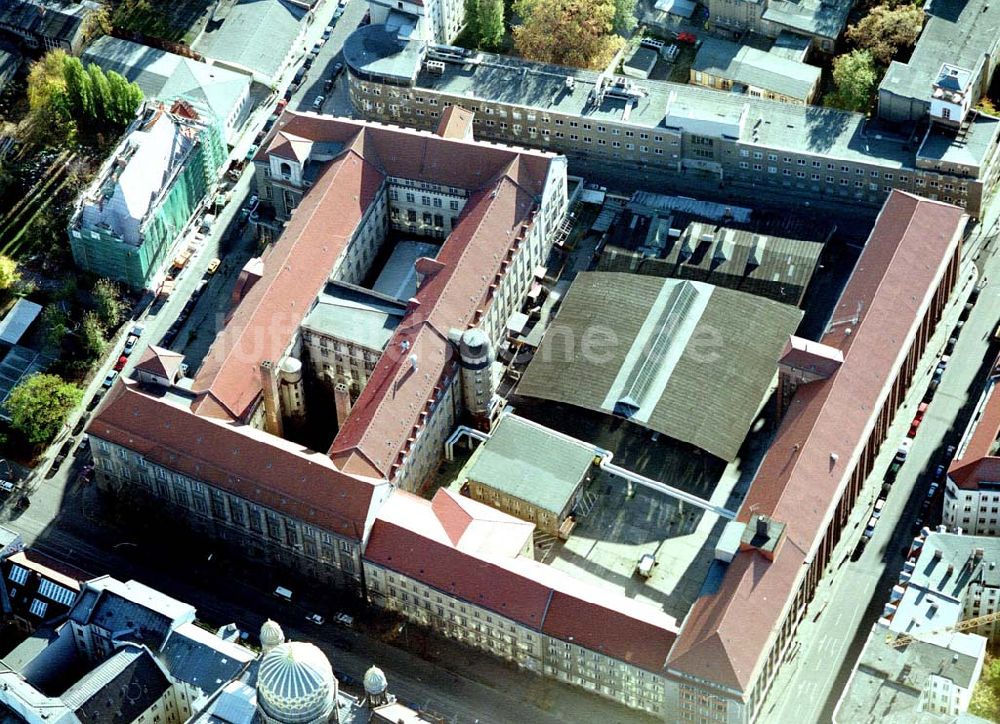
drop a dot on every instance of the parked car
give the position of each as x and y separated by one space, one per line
687 38
949 452
80 424
318 103
213 266
870 528
877 511
950 345
315 50
932 490
942 365
129 344
327 32
120 364
316 619
337 70
931 390
64 451
904 449
344 619
87 474
109 380
83 448
939 472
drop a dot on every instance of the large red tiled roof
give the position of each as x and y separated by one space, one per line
247 462
976 461
414 537
505 181
295 269
389 406
727 634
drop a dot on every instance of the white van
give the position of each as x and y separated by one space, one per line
282 592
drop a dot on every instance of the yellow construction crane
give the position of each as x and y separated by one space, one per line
963 625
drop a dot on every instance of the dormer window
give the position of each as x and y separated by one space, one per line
286 170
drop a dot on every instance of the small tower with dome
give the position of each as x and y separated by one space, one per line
271 635
295 685
376 687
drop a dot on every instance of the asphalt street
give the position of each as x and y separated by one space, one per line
850 597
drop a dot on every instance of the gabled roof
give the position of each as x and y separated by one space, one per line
825 428
242 460
456 122
978 457
300 262
160 362
295 269
530 463
290 146
396 393
127 683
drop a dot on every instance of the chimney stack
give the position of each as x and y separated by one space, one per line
342 401
272 408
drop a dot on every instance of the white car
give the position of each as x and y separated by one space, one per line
316 619
344 619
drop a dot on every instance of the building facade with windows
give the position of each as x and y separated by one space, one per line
437 20
972 485
256 494
467 570
48 24
697 132
126 223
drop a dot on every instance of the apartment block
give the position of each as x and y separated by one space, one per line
126 223
436 20
697 132
972 487
48 24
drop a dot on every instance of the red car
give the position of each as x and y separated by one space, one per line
120 364
688 38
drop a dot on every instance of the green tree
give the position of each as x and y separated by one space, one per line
985 700
79 91
624 21
98 23
472 11
855 77
92 335
49 121
491 27
9 275
39 405
56 325
567 32
124 99
100 90
108 303
886 30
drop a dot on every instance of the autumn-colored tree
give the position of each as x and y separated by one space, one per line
567 32
886 30
49 120
855 77
9 274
